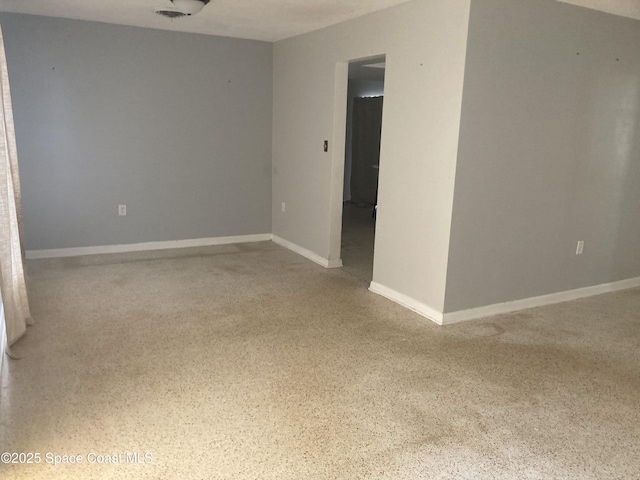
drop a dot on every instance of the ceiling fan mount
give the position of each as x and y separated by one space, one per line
183 8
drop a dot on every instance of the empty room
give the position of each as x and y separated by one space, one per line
183 296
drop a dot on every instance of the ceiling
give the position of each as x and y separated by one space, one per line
368 69
268 20
624 8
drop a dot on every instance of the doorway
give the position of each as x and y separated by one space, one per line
365 94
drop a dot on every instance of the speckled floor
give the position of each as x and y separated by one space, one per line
250 362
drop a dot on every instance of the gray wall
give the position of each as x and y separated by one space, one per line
424 43
176 126
549 153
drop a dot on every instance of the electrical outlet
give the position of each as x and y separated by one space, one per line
283 207
122 210
580 247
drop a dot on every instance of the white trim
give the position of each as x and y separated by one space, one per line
406 301
314 257
138 247
508 307
334 263
337 152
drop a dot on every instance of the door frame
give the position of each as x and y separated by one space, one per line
336 194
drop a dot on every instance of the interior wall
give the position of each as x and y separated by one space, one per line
357 88
549 149
424 43
176 126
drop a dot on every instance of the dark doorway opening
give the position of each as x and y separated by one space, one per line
362 162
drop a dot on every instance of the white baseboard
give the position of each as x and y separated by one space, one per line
559 297
314 257
139 247
408 302
500 308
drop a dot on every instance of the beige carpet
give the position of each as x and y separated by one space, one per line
250 362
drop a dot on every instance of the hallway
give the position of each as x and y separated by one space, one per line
358 231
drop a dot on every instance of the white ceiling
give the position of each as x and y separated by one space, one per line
624 8
268 20
369 69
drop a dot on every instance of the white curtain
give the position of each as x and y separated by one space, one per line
13 290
